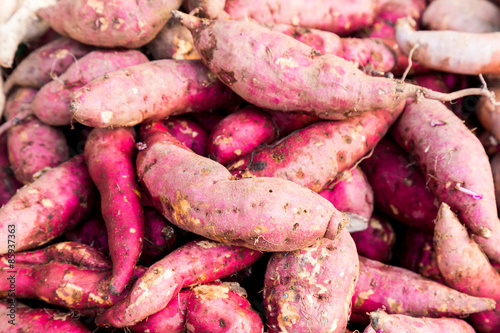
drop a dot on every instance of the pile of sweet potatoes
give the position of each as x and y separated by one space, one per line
250 166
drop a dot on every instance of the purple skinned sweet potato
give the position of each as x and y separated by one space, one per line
45 63
51 103
174 41
399 187
240 133
54 203
8 183
150 91
377 241
120 23
287 122
402 291
315 155
30 320
91 232
311 289
110 155
351 194
189 132
219 308
159 237
386 323
197 262
263 213
465 267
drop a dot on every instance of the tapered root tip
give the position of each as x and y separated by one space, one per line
189 21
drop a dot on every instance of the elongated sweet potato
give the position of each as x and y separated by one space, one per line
196 262
174 41
189 132
149 91
110 155
51 103
24 319
49 206
404 292
464 267
386 323
275 71
46 63
8 183
311 289
263 213
400 187
240 133
316 154
351 194
120 23
377 241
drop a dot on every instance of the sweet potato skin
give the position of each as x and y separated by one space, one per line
149 91
189 132
489 114
159 235
196 262
52 101
8 183
186 188
111 24
174 41
49 206
377 241
91 232
311 288
495 168
205 8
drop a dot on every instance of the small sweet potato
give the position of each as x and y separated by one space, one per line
174 41
311 289
377 241
196 262
46 208
189 132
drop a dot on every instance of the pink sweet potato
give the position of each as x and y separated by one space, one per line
386 323
149 91
119 23
450 51
189 132
313 156
464 267
495 168
205 8
32 145
476 16
110 155
219 308
51 103
159 237
377 241
263 213
91 232
197 262
27 320
401 291
400 187
351 194
45 63
174 41
240 133
46 208
8 183
311 289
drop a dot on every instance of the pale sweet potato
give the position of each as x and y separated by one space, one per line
311 289
377 241
174 41
46 208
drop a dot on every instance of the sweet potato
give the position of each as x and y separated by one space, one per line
219 308
149 91
464 267
263 213
404 292
495 168
351 194
399 187
24 319
311 289
383 322
377 241
196 262
450 51
275 71
159 237
315 155
8 183
32 145
287 122
120 23
51 103
110 155
205 8
475 16
46 63
240 133
91 232
488 114
174 41
189 132
46 208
